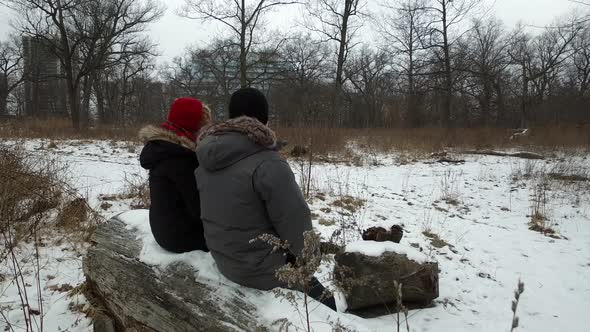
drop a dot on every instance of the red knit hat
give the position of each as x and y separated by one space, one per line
185 117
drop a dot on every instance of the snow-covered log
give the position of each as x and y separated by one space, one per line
523 154
145 298
367 272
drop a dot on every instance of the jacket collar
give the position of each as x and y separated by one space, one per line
153 133
254 129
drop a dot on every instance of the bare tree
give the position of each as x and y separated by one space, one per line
11 70
186 74
368 73
242 18
85 35
300 95
335 21
581 61
132 69
486 61
445 15
220 63
403 27
307 59
538 60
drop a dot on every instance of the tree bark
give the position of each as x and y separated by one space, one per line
243 51
343 43
524 98
3 104
74 101
99 102
148 298
87 91
448 80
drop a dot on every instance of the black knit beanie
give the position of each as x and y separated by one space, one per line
249 102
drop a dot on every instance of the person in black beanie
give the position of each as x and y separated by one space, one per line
247 189
249 102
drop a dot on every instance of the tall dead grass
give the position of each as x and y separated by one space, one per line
32 189
35 202
338 140
61 128
428 140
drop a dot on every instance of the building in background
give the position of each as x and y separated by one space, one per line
44 84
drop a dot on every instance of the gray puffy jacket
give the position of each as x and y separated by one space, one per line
247 189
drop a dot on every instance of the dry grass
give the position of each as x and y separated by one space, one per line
136 189
450 183
349 203
428 140
36 206
435 239
540 218
325 141
29 189
35 197
61 128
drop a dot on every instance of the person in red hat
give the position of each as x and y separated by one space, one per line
169 156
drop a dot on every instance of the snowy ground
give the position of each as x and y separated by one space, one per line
478 213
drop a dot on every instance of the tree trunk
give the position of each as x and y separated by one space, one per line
3 104
4 91
99 102
448 80
486 101
342 46
500 117
148 298
87 91
524 98
243 51
74 101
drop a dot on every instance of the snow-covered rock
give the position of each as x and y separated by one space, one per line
376 249
368 272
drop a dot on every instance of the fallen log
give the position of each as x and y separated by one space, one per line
136 286
450 161
524 155
141 297
367 272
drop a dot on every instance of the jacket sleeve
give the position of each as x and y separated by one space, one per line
286 207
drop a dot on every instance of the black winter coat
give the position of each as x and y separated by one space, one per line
175 212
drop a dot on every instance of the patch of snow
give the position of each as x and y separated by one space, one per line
488 243
153 254
375 249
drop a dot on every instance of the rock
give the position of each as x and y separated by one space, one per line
367 279
380 234
148 298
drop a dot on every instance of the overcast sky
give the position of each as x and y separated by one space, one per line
173 33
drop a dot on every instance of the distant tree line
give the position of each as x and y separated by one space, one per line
436 62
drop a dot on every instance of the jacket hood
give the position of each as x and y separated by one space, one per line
162 144
224 144
152 133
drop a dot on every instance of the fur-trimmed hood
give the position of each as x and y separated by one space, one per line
224 144
254 129
163 145
153 133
